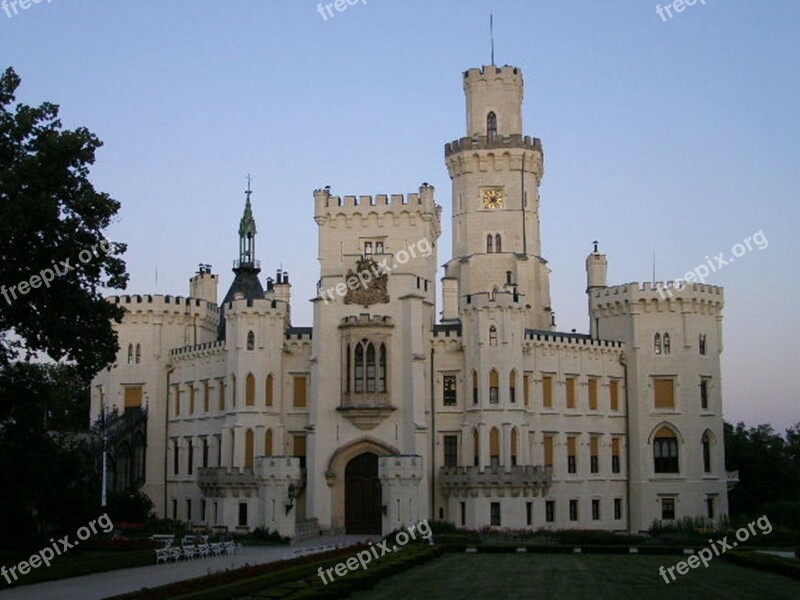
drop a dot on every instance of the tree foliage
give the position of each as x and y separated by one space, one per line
50 213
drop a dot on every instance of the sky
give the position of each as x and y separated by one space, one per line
669 137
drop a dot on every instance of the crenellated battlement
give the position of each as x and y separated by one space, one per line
366 320
489 74
570 339
635 292
148 304
325 204
482 142
198 350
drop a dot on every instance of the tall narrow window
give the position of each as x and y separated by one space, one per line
514 444
268 443
382 369
615 460
449 390
704 393
300 391
249 449
573 510
594 454
512 386
508 277
489 244
233 390
547 391
205 452
190 457
572 460
269 385
476 446
138 353
613 391
702 343
176 457
665 451
666 343
370 367
668 509
450 450
492 336
548 451
526 389
491 127
498 243
494 387
221 397
191 398
251 340
494 447
359 371
206 397
570 382
299 448
130 354
592 393
348 369
250 390
706 453
474 387
657 344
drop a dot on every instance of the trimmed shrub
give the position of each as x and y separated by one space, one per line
764 562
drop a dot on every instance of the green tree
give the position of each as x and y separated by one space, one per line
49 214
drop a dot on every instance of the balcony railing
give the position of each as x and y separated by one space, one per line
528 480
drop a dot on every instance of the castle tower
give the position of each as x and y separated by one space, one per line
495 173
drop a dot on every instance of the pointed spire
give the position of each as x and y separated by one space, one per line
247 231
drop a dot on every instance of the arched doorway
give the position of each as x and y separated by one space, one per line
362 504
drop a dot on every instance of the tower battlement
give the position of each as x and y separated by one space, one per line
326 205
635 292
491 75
165 304
482 142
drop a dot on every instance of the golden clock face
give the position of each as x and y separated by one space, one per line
492 198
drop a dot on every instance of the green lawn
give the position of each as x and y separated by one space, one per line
576 576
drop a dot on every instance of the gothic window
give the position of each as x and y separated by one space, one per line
138 353
498 243
494 387
666 343
657 344
706 453
489 244
130 354
512 386
359 370
494 447
702 343
665 451
492 335
449 390
474 387
370 367
251 340
491 127
250 390
382 369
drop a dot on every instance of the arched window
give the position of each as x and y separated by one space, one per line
476 446
489 244
657 344
491 127
130 354
370 367
665 451
358 379
666 343
494 387
382 369
269 392
474 386
249 450
250 390
251 340
494 447
268 443
493 294
492 336
508 277
702 343
514 443
138 353
706 453
512 386
498 243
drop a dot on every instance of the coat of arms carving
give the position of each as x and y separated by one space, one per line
372 283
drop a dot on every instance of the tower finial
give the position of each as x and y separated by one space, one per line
595 246
248 191
491 34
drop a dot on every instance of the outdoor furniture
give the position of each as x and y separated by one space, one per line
162 555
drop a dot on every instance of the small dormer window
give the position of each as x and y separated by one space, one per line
491 127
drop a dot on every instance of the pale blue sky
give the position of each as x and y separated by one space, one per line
677 137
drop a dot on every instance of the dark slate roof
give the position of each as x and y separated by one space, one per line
247 283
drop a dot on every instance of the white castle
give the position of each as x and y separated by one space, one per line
379 416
